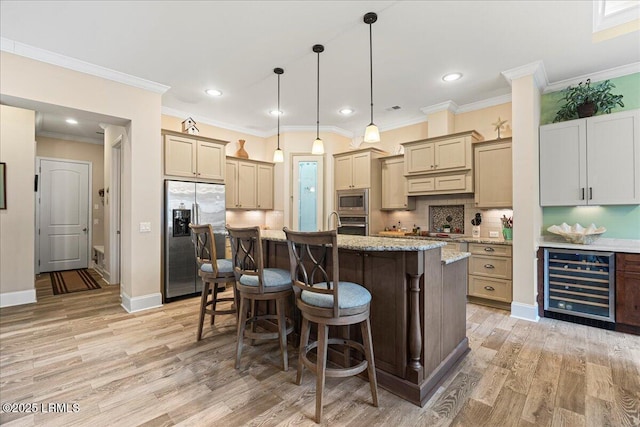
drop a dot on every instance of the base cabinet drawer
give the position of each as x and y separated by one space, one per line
489 249
495 267
494 289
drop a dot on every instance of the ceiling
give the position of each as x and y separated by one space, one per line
233 46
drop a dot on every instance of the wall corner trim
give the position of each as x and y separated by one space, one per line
524 311
536 69
144 302
8 299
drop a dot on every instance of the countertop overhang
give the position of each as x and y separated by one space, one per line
602 244
380 244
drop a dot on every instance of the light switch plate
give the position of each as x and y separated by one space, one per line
96 207
145 227
96 221
494 234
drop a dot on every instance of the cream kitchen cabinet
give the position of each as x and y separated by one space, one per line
440 154
490 274
592 161
394 185
440 165
493 174
249 184
189 156
353 170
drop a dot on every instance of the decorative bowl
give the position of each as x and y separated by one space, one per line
577 233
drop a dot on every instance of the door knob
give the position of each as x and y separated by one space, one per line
84 229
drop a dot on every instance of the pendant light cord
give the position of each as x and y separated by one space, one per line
318 102
371 67
279 112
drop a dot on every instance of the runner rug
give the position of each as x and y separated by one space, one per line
64 282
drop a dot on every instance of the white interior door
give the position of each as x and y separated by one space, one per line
308 192
64 215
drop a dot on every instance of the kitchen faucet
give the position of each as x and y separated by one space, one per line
338 222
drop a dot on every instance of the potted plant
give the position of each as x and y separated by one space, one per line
585 99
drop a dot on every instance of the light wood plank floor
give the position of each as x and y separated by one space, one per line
147 369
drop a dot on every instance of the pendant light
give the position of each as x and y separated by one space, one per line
371 133
278 155
318 145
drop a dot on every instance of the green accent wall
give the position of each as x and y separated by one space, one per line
628 86
621 222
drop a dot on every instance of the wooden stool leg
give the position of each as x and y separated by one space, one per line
365 327
282 333
304 341
253 315
242 323
321 365
203 306
346 352
214 300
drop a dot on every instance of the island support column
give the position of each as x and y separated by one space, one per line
415 270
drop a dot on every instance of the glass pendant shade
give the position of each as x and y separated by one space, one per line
371 134
317 147
278 156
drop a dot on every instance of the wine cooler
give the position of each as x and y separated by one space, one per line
580 283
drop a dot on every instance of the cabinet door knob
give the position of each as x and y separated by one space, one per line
489 266
489 288
488 249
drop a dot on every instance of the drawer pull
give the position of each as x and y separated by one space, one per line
489 266
489 249
489 288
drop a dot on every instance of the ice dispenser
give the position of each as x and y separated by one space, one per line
181 220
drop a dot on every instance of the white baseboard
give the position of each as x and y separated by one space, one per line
7 299
145 302
524 311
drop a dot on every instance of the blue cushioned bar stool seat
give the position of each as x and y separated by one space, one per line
215 274
326 301
256 283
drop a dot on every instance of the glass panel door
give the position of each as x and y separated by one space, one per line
308 193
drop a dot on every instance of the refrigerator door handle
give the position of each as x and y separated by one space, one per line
197 213
194 213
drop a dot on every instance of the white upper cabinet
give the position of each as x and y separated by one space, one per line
592 161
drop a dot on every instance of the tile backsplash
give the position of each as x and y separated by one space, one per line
421 216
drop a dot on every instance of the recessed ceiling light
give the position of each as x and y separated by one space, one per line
213 92
72 121
346 111
451 77
275 112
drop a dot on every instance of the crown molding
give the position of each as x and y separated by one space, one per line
403 123
206 120
479 105
443 106
595 77
305 128
53 58
66 137
536 69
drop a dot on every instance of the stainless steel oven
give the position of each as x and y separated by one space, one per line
355 225
352 202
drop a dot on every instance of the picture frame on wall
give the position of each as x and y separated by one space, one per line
3 181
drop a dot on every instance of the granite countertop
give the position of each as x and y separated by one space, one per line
602 244
450 256
367 243
461 239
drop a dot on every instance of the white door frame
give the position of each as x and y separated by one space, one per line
306 157
114 200
89 211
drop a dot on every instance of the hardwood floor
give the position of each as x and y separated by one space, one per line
147 369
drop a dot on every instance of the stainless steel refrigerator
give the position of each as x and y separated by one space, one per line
189 202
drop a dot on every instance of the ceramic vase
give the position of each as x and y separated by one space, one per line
241 151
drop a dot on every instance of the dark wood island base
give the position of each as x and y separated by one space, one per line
418 307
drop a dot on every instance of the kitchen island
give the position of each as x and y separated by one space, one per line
418 306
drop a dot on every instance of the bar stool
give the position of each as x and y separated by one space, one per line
214 275
256 283
323 299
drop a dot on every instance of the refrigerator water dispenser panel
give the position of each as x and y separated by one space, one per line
181 220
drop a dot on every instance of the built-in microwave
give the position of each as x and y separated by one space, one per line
352 202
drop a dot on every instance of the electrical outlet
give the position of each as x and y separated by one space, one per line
96 207
96 221
494 234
